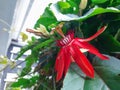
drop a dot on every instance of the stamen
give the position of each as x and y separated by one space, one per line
59 29
61 42
67 39
64 41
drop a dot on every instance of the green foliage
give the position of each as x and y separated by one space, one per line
43 44
30 60
109 71
117 35
106 77
25 82
47 19
68 7
99 1
13 88
85 23
110 42
92 12
23 50
114 2
34 57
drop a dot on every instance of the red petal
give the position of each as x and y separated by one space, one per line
59 64
90 48
82 61
67 60
95 35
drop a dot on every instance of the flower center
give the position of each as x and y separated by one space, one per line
65 41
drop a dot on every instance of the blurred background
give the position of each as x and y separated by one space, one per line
15 17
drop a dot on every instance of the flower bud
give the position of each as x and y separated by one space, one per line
43 30
83 4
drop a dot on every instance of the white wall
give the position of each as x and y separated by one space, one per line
6 14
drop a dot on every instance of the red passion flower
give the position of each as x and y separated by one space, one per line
71 50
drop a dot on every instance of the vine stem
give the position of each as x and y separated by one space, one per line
58 29
54 83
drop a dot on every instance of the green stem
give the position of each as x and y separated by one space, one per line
54 84
41 45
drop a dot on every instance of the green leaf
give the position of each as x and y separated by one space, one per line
111 17
30 60
92 12
21 82
68 6
109 71
63 5
106 76
25 83
113 27
74 6
33 80
23 50
117 36
109 43
115 2
99 1
24 36
25 71
75 76
3 60
46 19
16 88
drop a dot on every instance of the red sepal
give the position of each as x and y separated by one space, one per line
67 60
81 60
59 64
90 49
